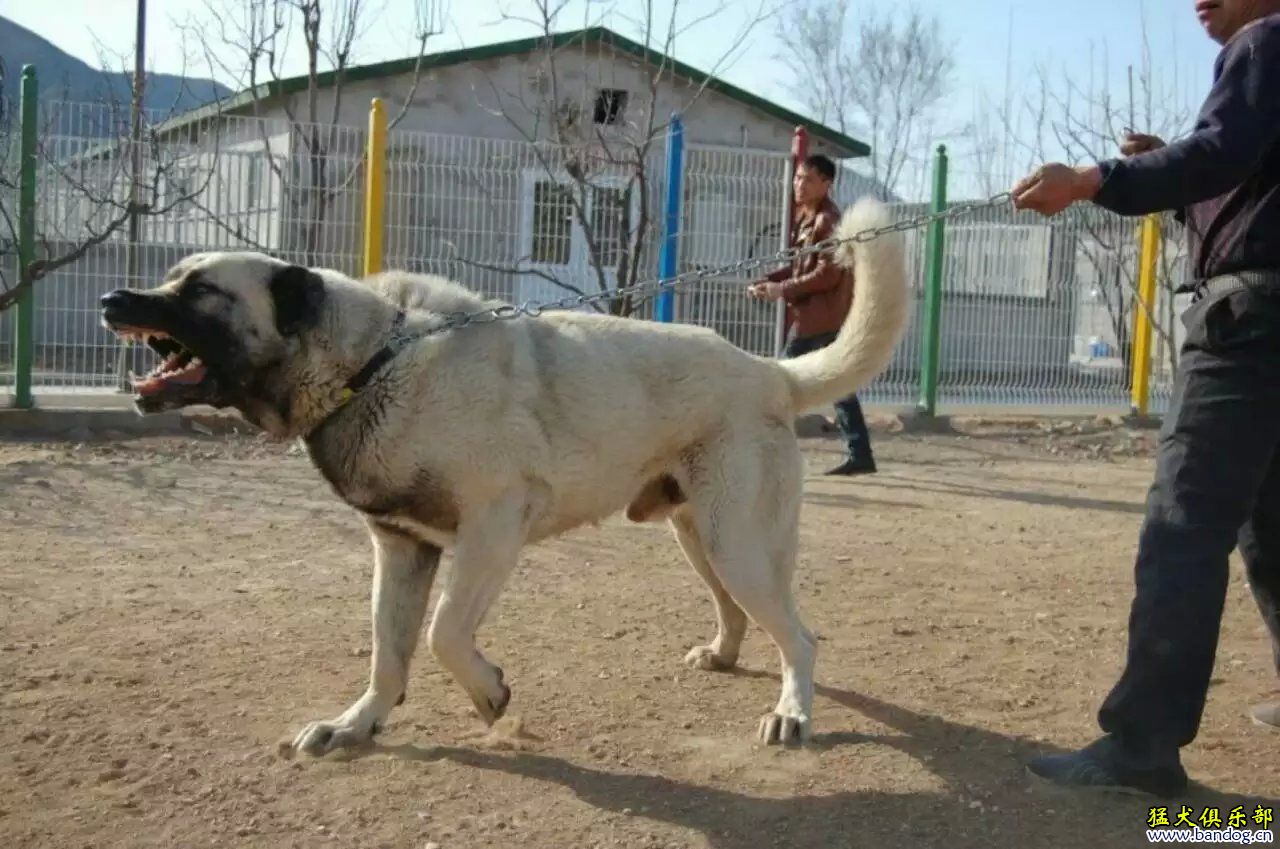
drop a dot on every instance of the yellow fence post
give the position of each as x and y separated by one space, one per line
374 187
1144 309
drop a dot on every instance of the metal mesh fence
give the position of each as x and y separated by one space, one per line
1022 324
9 153
734 208
520 221
214 183
1036 313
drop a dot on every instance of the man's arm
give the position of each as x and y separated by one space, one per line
824 275
1239 123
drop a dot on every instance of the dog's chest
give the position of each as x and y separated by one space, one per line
415 499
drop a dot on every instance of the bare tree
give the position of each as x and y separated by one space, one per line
1079 117
883 74
253 42
84 174
596 144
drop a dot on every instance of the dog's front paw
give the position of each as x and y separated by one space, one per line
706 657
784 728
320 738
492 707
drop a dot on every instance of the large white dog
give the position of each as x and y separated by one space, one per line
485 438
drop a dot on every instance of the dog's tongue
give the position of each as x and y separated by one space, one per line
192 374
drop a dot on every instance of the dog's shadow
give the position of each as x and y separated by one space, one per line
989 800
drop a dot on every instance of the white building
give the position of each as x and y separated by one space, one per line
516 166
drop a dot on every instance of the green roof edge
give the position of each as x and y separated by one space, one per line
601 35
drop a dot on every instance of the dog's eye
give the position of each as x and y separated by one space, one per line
197 288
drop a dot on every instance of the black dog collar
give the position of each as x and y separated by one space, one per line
378 360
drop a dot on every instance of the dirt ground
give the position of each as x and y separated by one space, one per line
171 608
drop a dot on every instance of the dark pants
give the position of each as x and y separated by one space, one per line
848 411
1217 485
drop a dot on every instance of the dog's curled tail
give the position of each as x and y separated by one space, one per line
875 322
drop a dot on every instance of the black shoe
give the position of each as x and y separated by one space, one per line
1106 765
854 467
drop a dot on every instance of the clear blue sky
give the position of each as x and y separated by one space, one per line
1059 34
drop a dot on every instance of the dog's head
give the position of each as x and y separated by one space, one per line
224 326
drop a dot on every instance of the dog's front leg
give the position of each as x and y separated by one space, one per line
403 571
488 546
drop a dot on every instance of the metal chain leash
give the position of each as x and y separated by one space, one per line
455 320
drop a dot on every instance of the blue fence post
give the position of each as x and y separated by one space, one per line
665 307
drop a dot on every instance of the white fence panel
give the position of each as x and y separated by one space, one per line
231 183
733 208
1036 313
520 221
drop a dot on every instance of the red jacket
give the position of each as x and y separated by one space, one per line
817 292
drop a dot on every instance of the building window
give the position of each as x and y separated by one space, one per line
611 105
607 224
552 223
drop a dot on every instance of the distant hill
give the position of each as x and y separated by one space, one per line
64 77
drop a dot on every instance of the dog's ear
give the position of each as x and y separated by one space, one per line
297 294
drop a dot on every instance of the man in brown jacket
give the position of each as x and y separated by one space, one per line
818 295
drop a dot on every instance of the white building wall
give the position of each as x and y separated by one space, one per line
499 99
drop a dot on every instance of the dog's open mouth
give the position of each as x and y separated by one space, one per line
180 378
179 365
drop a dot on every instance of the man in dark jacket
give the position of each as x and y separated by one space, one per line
818 294
1217 481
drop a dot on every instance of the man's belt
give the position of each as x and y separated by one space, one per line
1226 284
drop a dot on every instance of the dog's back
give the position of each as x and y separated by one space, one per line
425 292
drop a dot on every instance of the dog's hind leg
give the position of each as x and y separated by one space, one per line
744 567
403 572
745 500
488 546
731 622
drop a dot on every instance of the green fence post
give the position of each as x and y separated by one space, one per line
24 339
931 333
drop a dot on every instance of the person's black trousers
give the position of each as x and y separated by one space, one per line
1217 484
849 416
